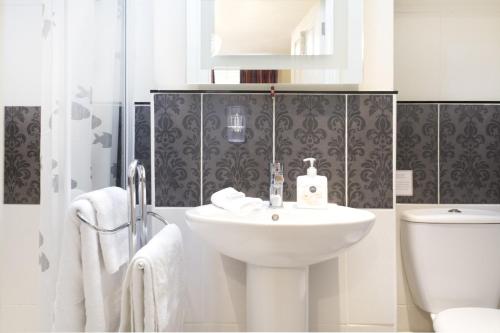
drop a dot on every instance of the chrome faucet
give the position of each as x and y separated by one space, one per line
276 185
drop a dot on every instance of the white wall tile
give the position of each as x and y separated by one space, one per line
207 327
19 318
411 318
444 48
371 274
19 246
470 53
417 61
325 295
20 63
367 328
378 62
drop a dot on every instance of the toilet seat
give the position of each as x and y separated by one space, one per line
480 320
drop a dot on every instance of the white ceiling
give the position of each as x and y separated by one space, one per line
258 26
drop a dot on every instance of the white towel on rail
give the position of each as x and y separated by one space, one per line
110 206
153 290
88 297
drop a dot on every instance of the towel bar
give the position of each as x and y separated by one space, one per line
120 227
96 228
135 168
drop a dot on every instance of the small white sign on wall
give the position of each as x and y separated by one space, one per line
404 183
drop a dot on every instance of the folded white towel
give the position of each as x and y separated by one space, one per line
87 296
219 198
235 202
110 211
153 290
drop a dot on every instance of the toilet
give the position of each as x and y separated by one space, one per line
452 262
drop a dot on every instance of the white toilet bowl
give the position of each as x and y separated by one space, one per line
452 263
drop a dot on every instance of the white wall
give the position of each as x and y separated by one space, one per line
140 60
20 84
169 43
447 50
378 62
170 48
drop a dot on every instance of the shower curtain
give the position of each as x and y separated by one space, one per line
82 94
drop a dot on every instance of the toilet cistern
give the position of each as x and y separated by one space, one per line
440 251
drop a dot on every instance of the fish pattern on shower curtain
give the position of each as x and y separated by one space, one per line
82 80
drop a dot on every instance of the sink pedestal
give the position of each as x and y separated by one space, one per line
277 298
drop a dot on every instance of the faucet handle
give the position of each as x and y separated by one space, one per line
279 179
277 173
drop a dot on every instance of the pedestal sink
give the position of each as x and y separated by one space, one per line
278 245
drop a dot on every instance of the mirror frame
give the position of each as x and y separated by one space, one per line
343 67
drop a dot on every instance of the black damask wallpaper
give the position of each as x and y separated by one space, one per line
312 126
244 166
22 155
417 150
469 156
370 128
142 148
306 125
469 152
177 120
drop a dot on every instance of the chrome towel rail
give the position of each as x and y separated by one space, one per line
136 169
96 228
136 239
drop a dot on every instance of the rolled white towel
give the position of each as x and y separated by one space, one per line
244 205
235 202
220 198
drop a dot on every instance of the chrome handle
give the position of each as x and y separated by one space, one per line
158 217
137 169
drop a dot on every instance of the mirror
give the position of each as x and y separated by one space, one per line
274 41
252 27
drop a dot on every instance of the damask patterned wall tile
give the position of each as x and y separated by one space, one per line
370 148
469 153
417 150
22 155
312 126
177 121
142 149
245 166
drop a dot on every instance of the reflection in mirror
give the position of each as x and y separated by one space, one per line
254 27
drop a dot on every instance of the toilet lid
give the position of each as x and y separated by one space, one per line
467 320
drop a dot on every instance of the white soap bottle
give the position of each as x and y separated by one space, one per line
312 190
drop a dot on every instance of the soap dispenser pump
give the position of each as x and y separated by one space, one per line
312 190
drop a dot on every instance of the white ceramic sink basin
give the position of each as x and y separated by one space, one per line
278 245
299 237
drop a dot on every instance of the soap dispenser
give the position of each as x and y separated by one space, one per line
312 190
